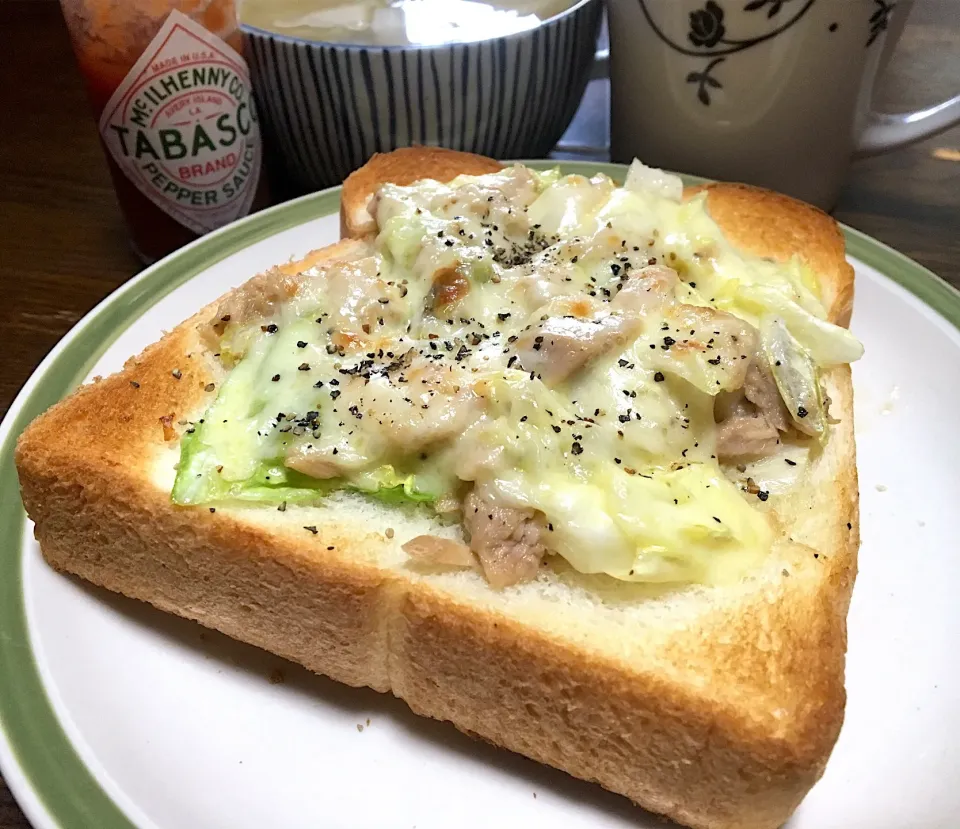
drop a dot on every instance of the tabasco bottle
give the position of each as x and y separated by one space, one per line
177 120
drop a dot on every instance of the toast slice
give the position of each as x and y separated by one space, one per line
715 706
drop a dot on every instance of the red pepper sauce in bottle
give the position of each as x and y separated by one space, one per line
177 120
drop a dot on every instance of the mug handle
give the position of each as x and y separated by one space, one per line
887 131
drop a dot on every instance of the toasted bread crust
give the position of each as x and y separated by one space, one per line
770 224
724 723
404 166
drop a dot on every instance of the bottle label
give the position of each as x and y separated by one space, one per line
183 126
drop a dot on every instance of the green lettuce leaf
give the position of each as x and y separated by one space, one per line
198 482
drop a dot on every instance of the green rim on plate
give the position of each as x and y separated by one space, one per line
47 760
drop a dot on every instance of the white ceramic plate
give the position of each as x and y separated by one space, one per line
116 715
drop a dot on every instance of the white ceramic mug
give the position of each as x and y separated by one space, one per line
771 92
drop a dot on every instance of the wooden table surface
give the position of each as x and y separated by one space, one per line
63 245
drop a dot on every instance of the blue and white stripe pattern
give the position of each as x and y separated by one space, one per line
329 107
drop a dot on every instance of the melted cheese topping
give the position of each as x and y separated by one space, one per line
556 343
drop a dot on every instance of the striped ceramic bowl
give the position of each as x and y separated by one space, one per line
328 107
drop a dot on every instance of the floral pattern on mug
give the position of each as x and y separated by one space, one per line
706 25
708 29
775 6
705 81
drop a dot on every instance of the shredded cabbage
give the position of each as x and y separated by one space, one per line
646 179
198 481
566 207
826 343
796 376
402 235
688 524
